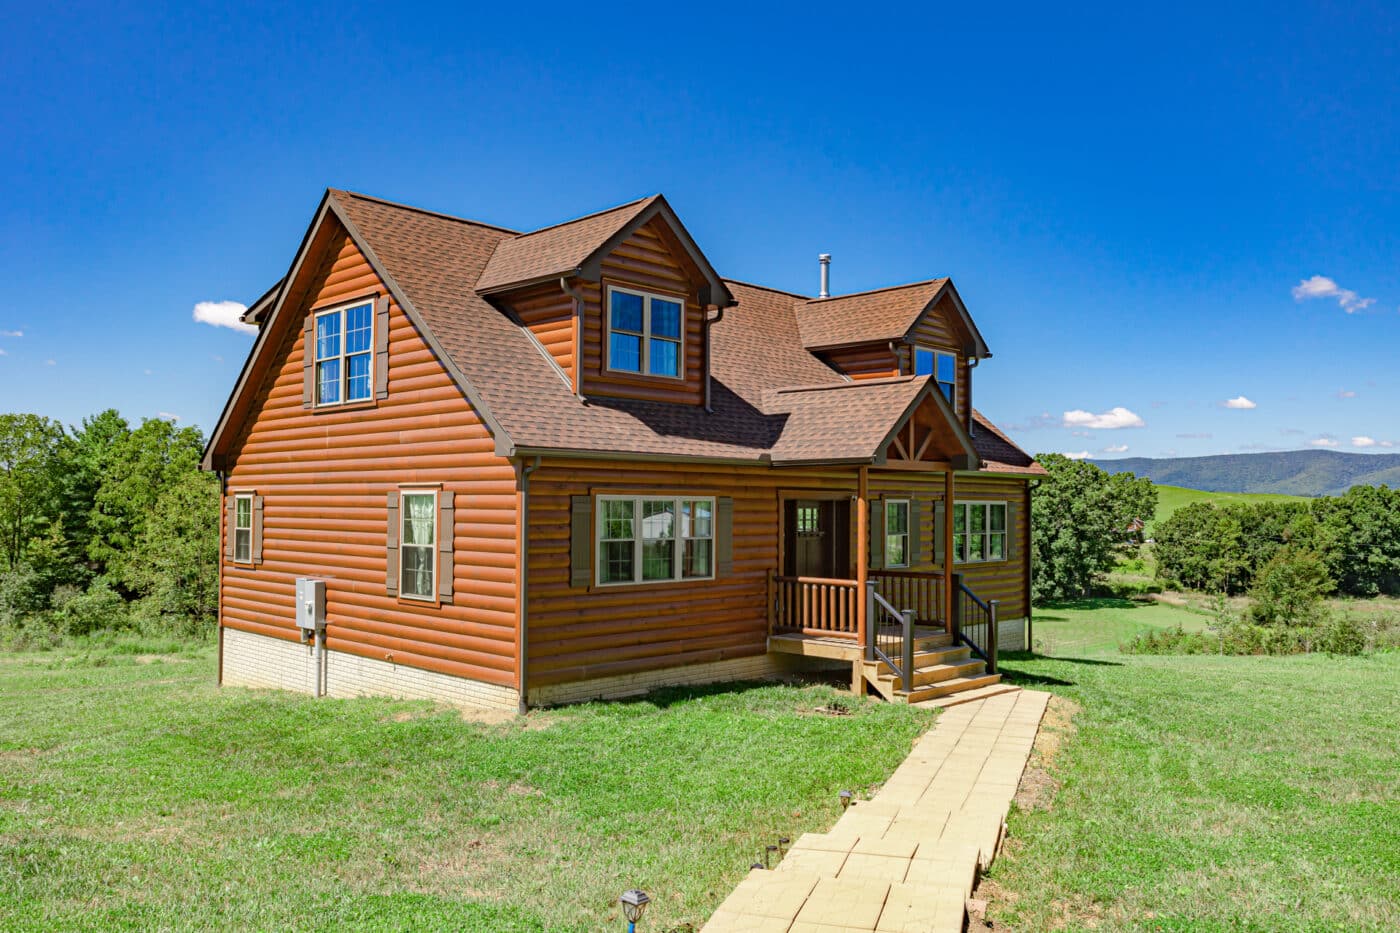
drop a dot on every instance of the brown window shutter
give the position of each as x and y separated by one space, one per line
940 515
877 534
391 549
446 540
581 541
230 517
308 362
381 347
724 537
1011 535
257 529
916 533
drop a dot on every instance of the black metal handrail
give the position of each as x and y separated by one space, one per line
890 633
976 623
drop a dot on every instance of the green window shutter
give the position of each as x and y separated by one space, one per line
1012 538
916 534
308 362
877 534
724 537
381 347
391 548
229 519
446 539
257 529
581 541
940 517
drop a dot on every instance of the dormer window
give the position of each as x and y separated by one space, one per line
942 366
344 353
644 332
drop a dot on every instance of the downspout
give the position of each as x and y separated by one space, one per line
972 362
577 296
523 571
710 322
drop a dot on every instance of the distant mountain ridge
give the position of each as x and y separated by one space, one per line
1292 472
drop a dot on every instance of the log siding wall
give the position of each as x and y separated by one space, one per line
324 476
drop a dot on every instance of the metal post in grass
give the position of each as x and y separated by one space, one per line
634 904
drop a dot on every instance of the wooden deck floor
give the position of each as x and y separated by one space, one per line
846 649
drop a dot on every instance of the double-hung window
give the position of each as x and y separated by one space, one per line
644 333
344 353
979 531
896 532
242 530
942 366
645 539
418 545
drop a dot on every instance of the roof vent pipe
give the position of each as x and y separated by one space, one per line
825 260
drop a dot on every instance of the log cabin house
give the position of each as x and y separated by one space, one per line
575 462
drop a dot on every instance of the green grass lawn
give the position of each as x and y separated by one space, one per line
138 795
1205 793
1171 498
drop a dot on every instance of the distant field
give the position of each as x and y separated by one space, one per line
1171 498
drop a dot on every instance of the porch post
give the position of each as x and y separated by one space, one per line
862 555
949 596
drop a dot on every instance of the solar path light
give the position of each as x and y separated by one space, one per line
634 904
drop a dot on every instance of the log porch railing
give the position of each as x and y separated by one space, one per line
813 606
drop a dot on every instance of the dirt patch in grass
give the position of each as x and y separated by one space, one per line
1038 785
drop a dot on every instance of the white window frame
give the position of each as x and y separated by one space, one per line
432 547
906 534
343 357
247 556
920 348
986 505
646 334
678 554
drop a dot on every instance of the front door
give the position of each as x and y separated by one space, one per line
817 538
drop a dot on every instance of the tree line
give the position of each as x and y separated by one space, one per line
105 526
1353 539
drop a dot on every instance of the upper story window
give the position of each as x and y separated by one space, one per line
979 531
644 333
418 545
896 532
243 528
942 366
644 540
344 353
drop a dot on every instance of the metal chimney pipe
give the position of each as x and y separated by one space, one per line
825 260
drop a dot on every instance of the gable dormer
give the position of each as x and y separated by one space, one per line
918 329
617 300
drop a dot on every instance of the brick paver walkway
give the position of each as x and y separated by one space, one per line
905 861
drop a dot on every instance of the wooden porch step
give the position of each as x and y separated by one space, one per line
937 673
968 696
946 687
930 658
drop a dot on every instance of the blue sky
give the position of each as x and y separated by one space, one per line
1128 199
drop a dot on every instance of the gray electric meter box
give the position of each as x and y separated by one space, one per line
311 604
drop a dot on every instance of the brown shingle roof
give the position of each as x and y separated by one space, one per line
435 265
999 454
883 314
557 250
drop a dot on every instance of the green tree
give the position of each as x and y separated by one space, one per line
1290 589
28 445
84 457
1079 520
175 561
1361 531
1201 547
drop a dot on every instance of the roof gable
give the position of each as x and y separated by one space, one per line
577 248
882 315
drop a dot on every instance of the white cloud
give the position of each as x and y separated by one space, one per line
1323 442
1078 455
1239 402
1363 441
146 371
1320 286
1109 420
11 333
3 353
1346 393
1116 449
223 314
50 362
167 416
